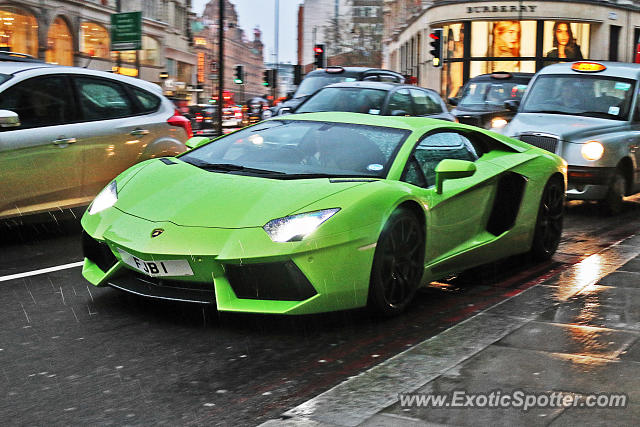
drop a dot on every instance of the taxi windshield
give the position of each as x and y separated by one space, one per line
291 149
581 95
490 95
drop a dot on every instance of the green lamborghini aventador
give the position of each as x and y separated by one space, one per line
324 211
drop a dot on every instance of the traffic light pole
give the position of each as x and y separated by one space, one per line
220 65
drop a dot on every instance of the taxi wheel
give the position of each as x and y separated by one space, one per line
398 264
613 201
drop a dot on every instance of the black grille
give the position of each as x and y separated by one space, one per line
98 252
548 143
274 281
155 287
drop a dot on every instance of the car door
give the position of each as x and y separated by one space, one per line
117 134
458 216
39 160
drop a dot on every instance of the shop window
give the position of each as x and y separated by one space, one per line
94 40
59 43
148 53
564 40
18 31
483 67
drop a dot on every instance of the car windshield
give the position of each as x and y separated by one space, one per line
581 95
490 95
350 99
312 83
290 149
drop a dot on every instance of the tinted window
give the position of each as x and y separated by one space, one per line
425 102
41 101
439 146
148 101
487 95
349 99
305 148
102 99
401 101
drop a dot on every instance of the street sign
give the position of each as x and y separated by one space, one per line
126 31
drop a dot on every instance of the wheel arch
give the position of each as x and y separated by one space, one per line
626 166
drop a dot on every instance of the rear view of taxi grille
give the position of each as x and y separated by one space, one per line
549 143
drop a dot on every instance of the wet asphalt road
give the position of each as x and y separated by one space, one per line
74 354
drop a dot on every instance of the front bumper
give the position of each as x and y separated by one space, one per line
236 269
588 183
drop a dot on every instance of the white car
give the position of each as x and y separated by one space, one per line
65 132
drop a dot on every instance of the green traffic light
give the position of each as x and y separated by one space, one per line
238 81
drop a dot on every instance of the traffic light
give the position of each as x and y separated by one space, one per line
239 76
266 78
436 46
318 55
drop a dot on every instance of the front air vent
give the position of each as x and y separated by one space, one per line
544 141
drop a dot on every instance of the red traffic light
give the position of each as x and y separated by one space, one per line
434 36
318 49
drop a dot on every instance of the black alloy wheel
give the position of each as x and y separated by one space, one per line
548 229
398 264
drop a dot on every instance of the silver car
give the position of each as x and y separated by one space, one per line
588 113
65 132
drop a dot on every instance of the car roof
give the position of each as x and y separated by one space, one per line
374 85
18 67
352 70
492 77
614 69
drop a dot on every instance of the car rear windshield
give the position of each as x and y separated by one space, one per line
489 95
290 149
312 83
581 95
350 99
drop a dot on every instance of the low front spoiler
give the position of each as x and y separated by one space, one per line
158 289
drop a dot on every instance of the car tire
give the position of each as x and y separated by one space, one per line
398 264
614 199
548 229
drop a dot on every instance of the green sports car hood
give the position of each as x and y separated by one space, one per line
189 196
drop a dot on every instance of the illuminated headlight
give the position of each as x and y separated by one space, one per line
498 123
105 199
592 150
266 114
296 227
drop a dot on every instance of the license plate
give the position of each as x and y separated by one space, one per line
156 268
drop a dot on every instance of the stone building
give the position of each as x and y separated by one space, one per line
238 50
73 32
486 36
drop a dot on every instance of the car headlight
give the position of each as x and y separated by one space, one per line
294 228
498 123
105 199
592 150
266 114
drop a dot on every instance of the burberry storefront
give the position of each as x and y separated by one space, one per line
483 37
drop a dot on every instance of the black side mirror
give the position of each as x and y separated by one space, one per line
453 101
512 104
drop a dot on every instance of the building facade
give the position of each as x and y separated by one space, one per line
74 32
485 36
238 50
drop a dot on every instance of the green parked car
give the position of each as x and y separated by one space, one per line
324 211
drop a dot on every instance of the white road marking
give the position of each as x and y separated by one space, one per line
41 271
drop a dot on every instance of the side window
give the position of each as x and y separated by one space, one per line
413 174
401 101
439 146
148 101
41 101
102 99
425 103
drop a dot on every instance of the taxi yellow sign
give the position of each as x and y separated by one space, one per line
588 67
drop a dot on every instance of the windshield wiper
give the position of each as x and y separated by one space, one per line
598 114
551 112
320 175
230 167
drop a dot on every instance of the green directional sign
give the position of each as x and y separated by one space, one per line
126 31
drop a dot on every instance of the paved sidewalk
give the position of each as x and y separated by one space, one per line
577 333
